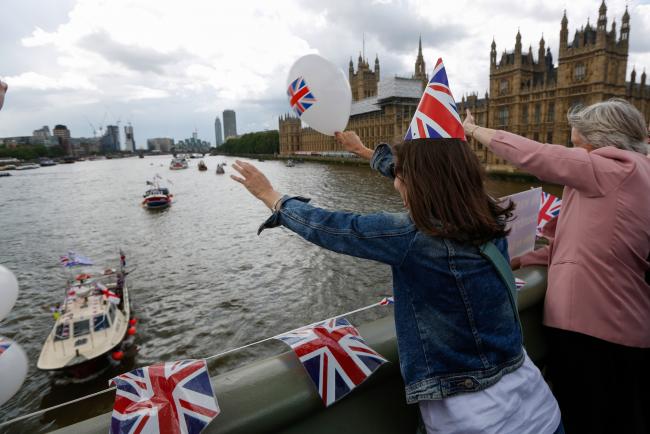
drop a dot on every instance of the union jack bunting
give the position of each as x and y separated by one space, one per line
335 357
4 345
549 208
72 259
436 116
386 301
519 283
300 97
165 398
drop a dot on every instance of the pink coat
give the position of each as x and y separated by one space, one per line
598 258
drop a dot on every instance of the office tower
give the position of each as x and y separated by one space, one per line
229 124
129 140
217 133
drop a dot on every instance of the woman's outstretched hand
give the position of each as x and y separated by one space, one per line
256 183
352 143
469 124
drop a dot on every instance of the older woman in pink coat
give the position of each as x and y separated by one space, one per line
597 307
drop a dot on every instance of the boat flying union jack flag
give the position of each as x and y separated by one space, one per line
300 96
549 208
335 357
165 398
437 115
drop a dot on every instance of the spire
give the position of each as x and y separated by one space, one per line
603 8
377 67
420 67
494 44
633 75
565 21
518 42
626 16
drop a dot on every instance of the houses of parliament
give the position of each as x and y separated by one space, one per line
527 95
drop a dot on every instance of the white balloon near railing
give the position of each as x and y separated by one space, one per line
8 291
319 93
13 368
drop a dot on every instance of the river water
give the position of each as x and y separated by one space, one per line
203 282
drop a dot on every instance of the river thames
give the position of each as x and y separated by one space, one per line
203 280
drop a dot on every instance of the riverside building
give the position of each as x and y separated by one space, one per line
528 94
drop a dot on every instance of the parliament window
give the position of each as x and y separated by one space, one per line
503 87
538 113
550 114
503 116
580 71
524 114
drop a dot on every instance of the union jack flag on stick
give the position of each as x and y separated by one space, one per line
437 115
165 398
549 208
335 357
300 96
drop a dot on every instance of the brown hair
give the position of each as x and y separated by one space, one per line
446 193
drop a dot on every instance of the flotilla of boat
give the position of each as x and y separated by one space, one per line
92 323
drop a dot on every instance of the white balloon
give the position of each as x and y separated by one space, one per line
13 368
8 291
332 98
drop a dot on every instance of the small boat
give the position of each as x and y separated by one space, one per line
196 155
91 325
4 174
220 169
156 197
70 160
45 162
178 163
8 167
28 167
202 166
289 163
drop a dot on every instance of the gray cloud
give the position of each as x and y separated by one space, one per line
132 57
394 26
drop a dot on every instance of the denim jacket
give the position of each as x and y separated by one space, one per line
456 329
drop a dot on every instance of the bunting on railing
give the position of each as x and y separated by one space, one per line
335 356
175 397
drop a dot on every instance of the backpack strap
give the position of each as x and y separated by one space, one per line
490 252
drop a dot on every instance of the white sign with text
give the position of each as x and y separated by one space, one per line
524 222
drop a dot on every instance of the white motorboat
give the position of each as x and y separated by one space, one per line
178 163
91 326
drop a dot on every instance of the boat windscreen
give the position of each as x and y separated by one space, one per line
81 327
100 322
62 332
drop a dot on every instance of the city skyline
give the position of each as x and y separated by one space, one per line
63 70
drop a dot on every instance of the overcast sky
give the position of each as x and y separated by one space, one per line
170 67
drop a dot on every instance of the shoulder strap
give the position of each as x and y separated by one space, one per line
492 254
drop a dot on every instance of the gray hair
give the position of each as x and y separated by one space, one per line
614 122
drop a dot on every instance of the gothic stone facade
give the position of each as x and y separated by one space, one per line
528 96
532 97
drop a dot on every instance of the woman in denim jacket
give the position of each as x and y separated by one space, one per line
458 334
